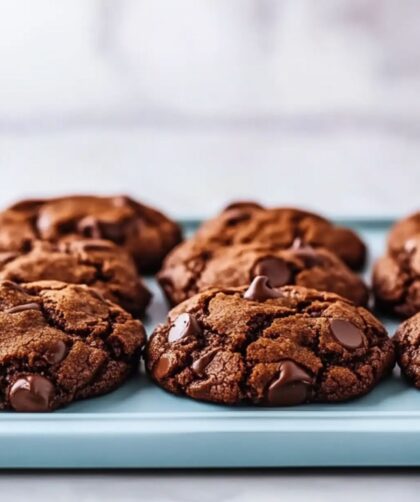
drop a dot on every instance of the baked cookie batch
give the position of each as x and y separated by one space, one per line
268 307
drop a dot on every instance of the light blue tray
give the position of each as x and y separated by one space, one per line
140 425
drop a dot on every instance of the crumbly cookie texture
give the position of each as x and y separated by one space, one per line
396 280
193 267
61 342
145 233
96 263
407 342
269 346
247 222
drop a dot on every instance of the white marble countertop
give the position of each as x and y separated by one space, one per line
188 105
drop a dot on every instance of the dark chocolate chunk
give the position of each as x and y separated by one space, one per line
260 290
161 368
277 270
31 393
291 387
201 363
346 333
184 325
56 352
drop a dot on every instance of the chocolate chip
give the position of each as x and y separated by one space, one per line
56 352
276 269
260 290
162 367
346 333
184 325
291 387
23 307
201 363
31 393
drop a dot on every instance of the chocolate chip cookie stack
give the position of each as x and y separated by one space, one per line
69 286
396 286
261 319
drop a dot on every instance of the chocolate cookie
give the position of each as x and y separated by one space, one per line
96 263
270 346
145 233
61 342
407 343
244 223
193 267
396 280
402 232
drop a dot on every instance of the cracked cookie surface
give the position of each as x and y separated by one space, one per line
61 342
193 267
396 280
145 233
244 223
96 263
407 342
269 346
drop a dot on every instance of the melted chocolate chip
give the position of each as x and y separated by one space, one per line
56 352
23 307
162 367
201 363
276 269
184 325
31 393
346 333
260 290
291 387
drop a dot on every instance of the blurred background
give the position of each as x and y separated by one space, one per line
187 104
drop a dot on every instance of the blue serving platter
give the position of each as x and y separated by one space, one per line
140 425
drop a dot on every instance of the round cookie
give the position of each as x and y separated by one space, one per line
61 342
407 343
269 346
192 268
145 233
402 232
96 263
244 223
396 280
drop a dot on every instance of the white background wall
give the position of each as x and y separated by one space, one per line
189 103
